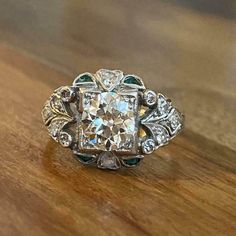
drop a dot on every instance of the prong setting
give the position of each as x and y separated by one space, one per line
148 146
65 139
149 98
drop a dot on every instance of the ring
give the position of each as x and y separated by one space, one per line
110 119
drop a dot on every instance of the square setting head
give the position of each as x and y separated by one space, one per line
109 122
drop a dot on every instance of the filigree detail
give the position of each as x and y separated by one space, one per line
159 133
110 120
56 114
163 121
56 127
173 122
47 113
159 112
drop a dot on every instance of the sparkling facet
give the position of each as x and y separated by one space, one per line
109 121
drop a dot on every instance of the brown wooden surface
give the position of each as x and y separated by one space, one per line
185 49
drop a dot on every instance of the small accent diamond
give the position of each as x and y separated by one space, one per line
150 98
108 160
65 139
148 146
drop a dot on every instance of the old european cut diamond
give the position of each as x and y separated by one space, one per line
108 121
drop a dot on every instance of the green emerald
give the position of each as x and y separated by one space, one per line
132 162
132 80
85 79
85 158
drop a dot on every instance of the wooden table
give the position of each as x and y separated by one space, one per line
185 49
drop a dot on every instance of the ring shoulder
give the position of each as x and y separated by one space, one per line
163 121
57 113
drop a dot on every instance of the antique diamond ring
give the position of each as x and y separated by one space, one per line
110 119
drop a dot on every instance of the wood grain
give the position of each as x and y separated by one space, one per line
185 49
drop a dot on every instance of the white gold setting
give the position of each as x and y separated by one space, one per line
99 117
150 98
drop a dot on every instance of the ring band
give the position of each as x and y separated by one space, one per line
110 119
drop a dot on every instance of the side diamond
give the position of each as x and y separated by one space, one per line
108 160
109 79
150 98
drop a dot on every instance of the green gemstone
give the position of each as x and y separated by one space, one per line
85 158
85 79
132 80
132 162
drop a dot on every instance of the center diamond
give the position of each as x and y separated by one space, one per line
109 121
